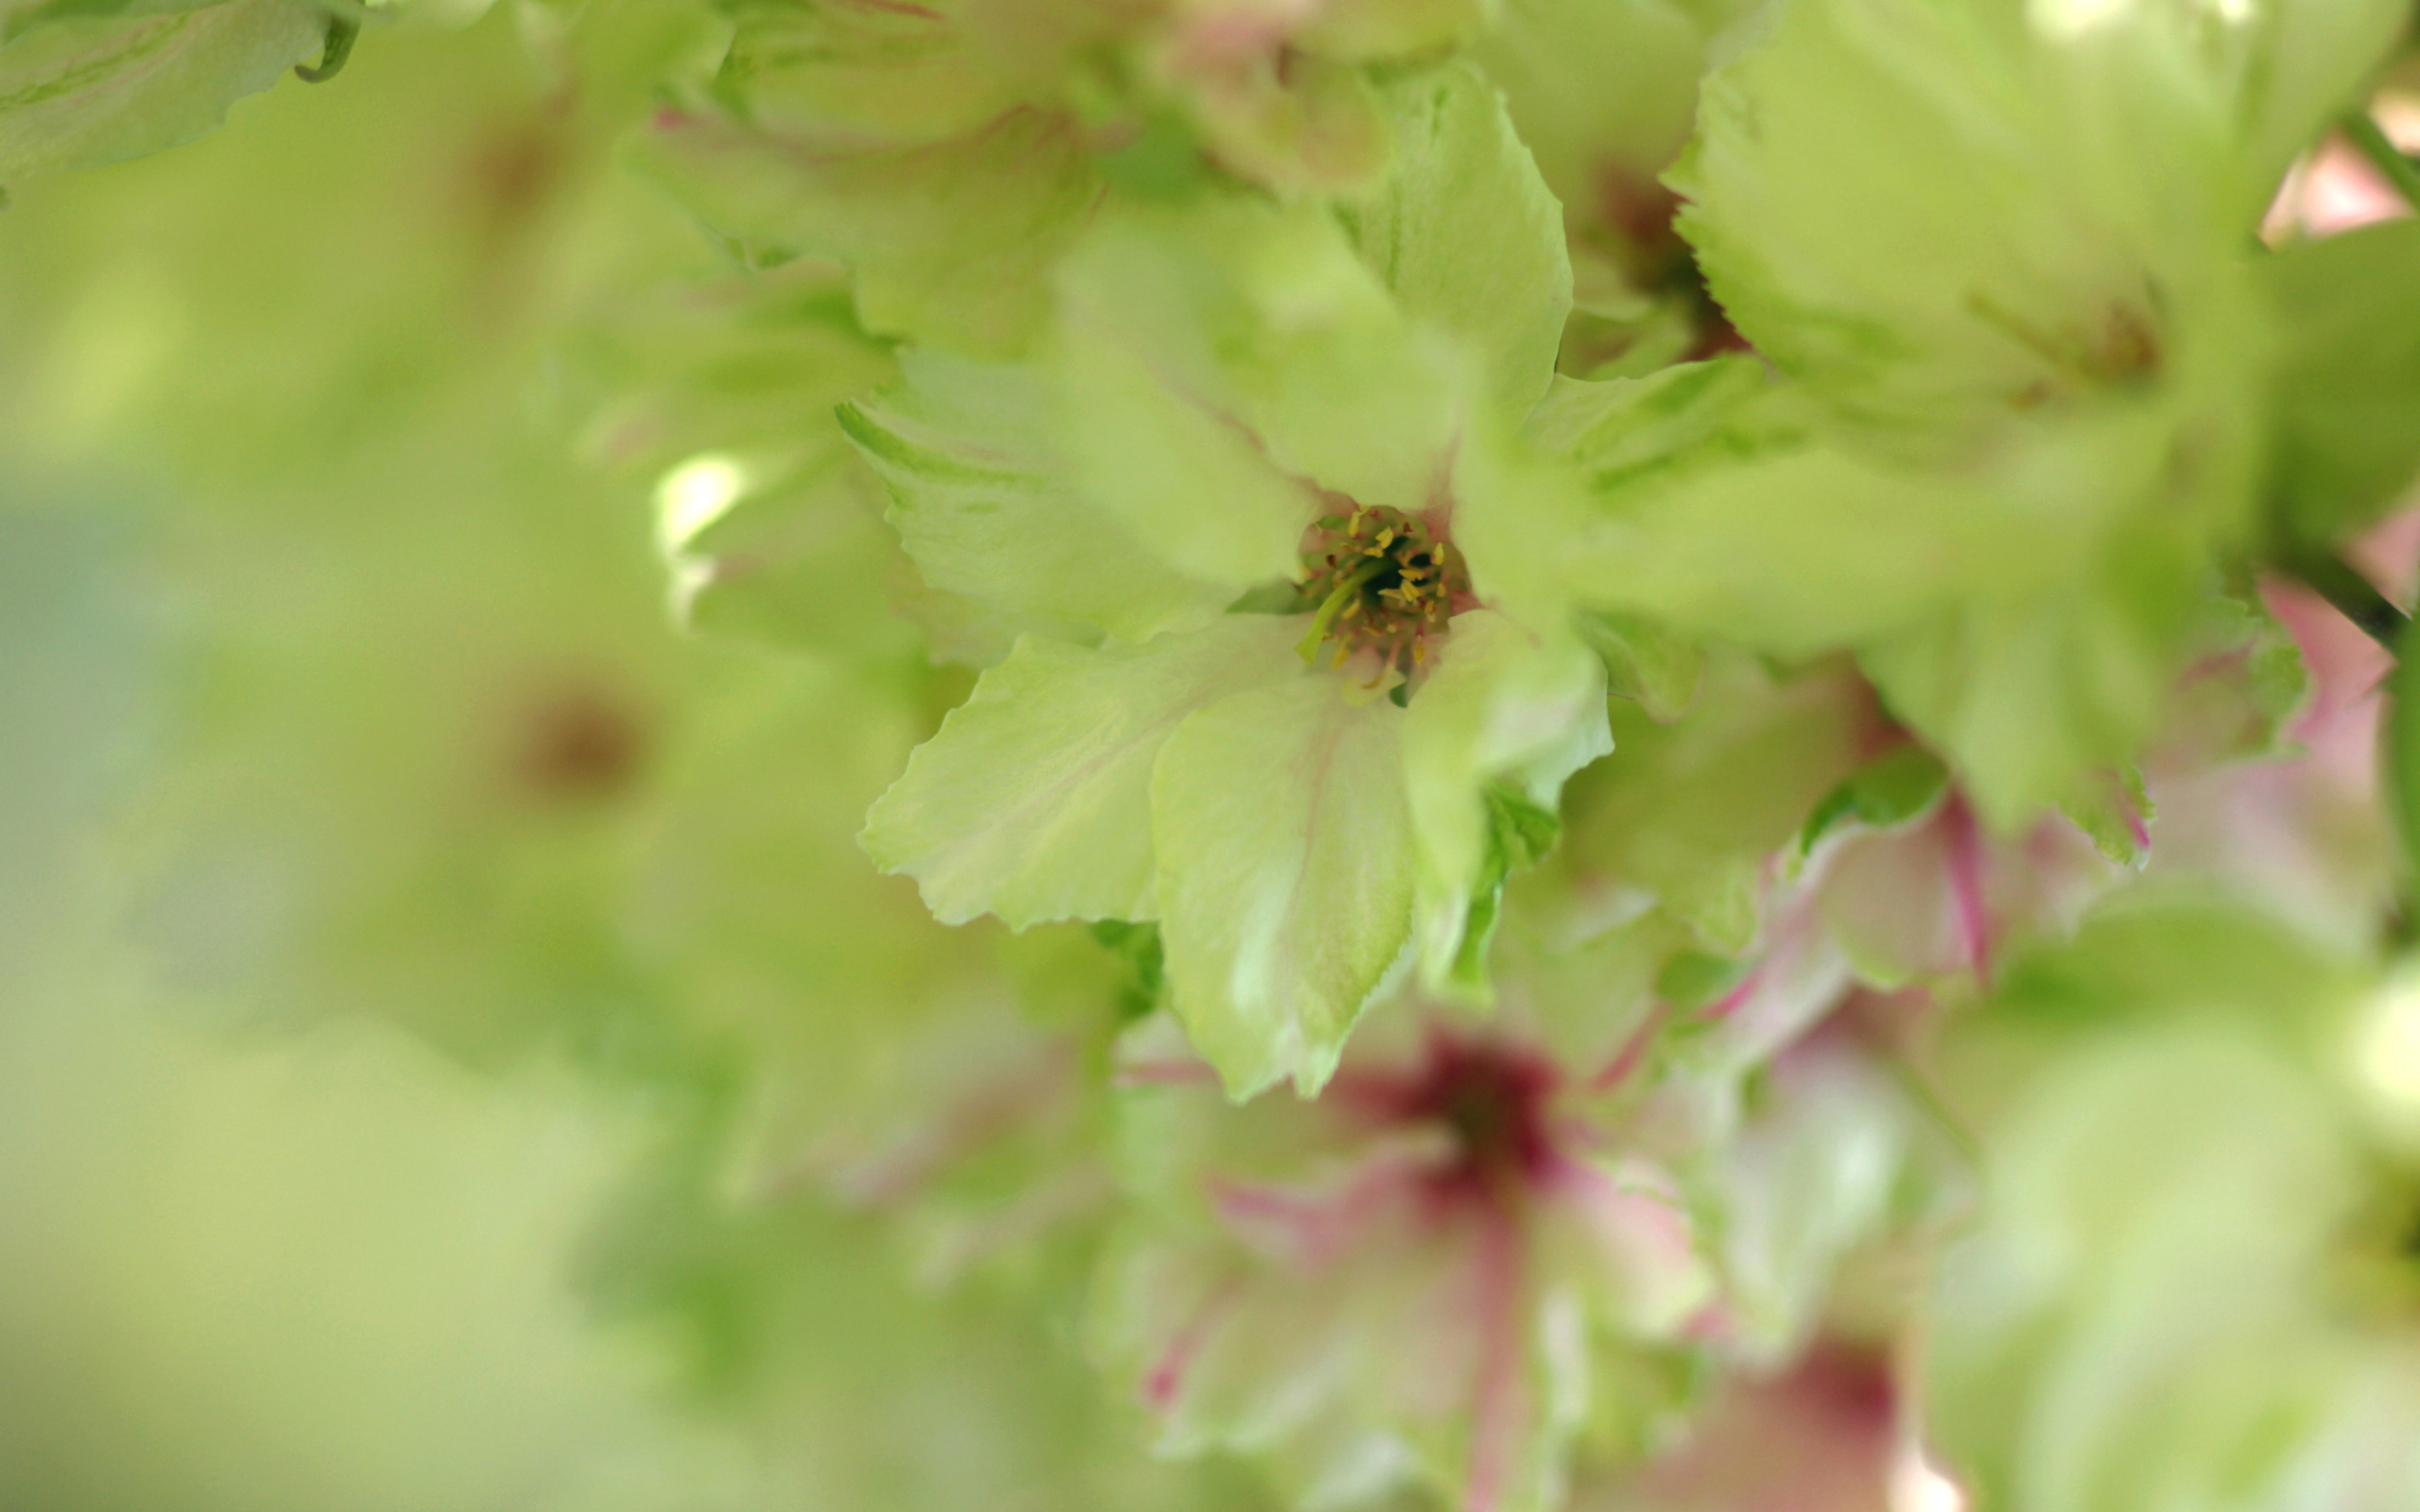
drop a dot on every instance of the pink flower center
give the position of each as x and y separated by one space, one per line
1492 1098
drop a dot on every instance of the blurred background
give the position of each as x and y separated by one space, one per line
359 802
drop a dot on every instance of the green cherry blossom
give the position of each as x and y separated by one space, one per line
1267 685
2001 260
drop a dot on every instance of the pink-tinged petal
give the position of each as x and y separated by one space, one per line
967 1121
1314 1232
1496 1399
1897 905
1965 844
2303 834
1820 1439
2335 189
1799 977
1637 1242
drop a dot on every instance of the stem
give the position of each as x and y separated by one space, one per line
2400 172
2352 595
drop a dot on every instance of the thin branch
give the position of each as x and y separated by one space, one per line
2400 172
2354 595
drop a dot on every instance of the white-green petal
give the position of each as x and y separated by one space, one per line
2307 61
1221 364
1034 801
1502 700
2027 693
986 505
947 242
1943 216
1465 232
1285 870
80 92
1154 312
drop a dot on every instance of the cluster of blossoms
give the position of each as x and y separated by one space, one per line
1668 702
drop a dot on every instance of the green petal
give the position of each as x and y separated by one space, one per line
949 241
1285 873
898 72
1644 662
1034 800
2301 63
1891 790
2345 447
1221 364
1316 128
1945 215
1374 29
770 525
1502 700
2027 693
1464 232
78 93
785 551
1799 551
2115 813
1689 813
987 505
1601 89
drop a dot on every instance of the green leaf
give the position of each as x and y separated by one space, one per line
1693 979
1464 233
1034 800
78 92
1520 832
1137 946
1285 875
2345 444
987 508
1896 788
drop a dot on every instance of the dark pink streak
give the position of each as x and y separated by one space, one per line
1164 1074
1634 1050
1738 997
1167 1378
2135 827
1317 1230
1966 883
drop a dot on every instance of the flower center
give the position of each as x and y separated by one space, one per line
1493 1100
1379 580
